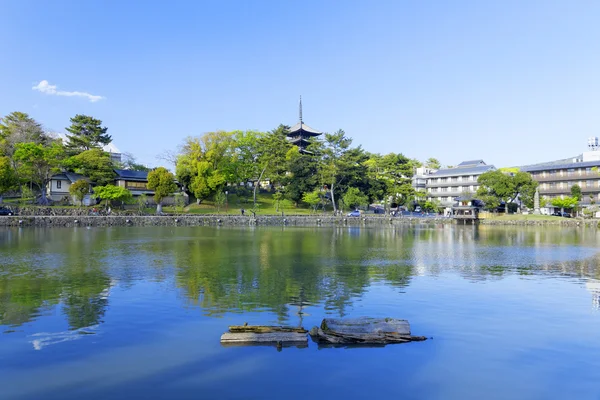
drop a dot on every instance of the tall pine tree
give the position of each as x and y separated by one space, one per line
86 133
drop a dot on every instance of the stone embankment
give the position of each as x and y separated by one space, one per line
574 222
212 220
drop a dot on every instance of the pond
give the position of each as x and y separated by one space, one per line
128 312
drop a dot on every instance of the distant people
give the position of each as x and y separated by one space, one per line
243 211
108 211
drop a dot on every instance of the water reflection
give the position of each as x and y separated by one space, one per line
281 271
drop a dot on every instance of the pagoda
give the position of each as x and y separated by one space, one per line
300 133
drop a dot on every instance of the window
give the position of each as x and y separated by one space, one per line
444 189
571 171
588 170
443 180
59 184
589 184
136 185
454 189
455 179
552 185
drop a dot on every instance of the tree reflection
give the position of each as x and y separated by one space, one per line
283 271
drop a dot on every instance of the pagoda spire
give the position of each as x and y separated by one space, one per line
300 109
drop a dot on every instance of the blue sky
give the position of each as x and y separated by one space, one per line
511 82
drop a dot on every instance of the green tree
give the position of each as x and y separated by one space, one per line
277 197
142 202
302 175
220 199
86 133
163 183
129 162
332 162
496 187
354 198
566 202
8 177
203 166
271 158
312 199
95 164
79 189
37 164
18 127
433 163
111 193
576 192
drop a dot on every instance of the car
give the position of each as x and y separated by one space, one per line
561 214
5 211
354 213
418 209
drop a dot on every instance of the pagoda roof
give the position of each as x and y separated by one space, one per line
302 127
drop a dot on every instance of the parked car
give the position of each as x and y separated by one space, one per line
561 214
5 211
354 213
418 209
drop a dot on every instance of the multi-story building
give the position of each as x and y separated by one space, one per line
446 184
556 178
419 179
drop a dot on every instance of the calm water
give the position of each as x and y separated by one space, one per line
116 313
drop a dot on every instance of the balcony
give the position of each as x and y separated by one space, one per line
574 176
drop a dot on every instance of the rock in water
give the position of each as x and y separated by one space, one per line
363 330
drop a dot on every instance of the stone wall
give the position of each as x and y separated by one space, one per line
267 220
211 220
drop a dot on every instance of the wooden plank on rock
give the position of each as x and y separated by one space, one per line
264 338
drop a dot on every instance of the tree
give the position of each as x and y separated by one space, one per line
220 199
203 166
8 177
79 189
163 183
86 133
18 127
142 202
37 164
576 192
110 193
496 187
312 199
433 163
566 202
277 197
271 159
332 163
354 198
94 164
302 175
129 162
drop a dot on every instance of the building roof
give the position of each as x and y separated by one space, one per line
471 163
69 176
131 175
560 164
464 168
302 127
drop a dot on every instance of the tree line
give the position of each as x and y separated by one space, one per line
29 157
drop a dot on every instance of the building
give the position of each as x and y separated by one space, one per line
556 178
446 184
419 179
59 185
134 181
300 133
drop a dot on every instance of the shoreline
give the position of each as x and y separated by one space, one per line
263 220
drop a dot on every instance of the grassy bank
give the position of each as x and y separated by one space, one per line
521 217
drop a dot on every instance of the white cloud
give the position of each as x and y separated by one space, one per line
45 87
